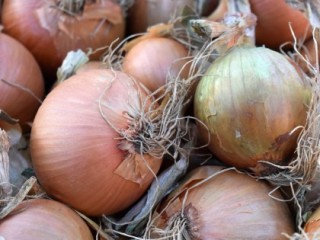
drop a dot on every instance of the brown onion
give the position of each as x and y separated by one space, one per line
253 102
274 17
145 13
78 156
49 32
39 219
153 59
229 206
22 79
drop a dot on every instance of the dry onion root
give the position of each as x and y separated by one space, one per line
49 29
216 203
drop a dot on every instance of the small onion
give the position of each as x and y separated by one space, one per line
77 154
145 13
39 219
151 60
229 206
19 68
50 33
251 99
312 227
274 17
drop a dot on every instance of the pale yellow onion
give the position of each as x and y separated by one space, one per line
152 60
50 33
145 13
251 99
40 219
23 85
76 153
229 206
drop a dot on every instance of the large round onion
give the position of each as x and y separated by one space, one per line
145 13
77 155
228 206
50 33
251 99
40 219
153 59
23 79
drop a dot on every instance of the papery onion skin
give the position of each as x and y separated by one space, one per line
228 206
50 34
152 59
312 227
274 18
39 219
146 13
19 67
75 152
250 100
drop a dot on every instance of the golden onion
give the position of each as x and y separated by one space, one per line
252 100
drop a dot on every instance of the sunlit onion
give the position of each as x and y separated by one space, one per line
229 205
253 102
77 155
21 82
39 219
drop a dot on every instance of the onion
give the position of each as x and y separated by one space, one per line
49 29
39 219
312 227
21 75
274 17
228 205
153 59
79 157
145 13
252 101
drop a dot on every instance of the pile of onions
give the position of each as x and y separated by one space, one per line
253 101
50 29
23 84
228 205
145 13
78 155
39 219
274 17
153 59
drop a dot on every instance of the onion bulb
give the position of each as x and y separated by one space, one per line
153 59
79 142
228 205
252 101
312 227
50 29
146 13
274 17
21 82
39 219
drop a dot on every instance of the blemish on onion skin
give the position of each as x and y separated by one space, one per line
238 134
